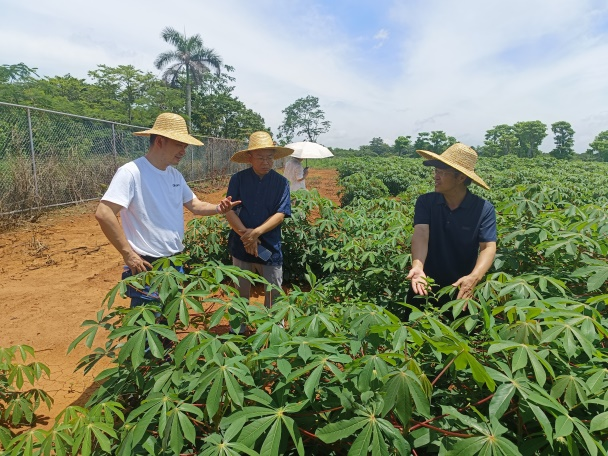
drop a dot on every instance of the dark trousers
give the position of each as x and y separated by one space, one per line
416 300
144 296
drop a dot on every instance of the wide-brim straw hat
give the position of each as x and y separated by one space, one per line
261 140
458 156
172 126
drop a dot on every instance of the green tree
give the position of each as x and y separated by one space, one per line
303 117
217 112
18 72
436 141
423 141
563 135
530 135
403 145
125 84
500 140
190 60
440 141
599 147
378 146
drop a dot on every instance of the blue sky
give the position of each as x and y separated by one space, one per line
379 67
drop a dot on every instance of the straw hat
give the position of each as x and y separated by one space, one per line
458 156
261 140
172 126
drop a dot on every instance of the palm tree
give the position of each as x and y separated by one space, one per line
189 57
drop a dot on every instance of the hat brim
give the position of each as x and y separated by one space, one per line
279 152
181 137
432 156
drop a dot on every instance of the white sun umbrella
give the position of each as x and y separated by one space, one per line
306 149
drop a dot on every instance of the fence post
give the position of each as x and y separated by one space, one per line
29 125
192 160
114 142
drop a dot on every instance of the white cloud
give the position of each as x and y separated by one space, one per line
461 67
381 37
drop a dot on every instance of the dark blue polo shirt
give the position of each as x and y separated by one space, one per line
261 198
454 236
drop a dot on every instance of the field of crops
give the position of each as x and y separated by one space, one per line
521 369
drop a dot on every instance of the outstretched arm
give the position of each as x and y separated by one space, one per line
420 249
466 284
198 207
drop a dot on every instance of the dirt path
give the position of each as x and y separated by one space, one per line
54 275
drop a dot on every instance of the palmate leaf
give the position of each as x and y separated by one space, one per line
360 446
593 445
597 273
501 400
573 388
266 417
599 422
215 445
183 303
486 445
400 390
563 426
341 429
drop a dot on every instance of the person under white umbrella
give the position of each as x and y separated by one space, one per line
293 171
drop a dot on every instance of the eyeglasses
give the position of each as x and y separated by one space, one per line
445 172
263 159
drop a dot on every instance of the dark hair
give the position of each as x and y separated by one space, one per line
467 181
152 139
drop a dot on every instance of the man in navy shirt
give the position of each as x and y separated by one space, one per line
255 239
454 240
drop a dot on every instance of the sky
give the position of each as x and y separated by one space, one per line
380 68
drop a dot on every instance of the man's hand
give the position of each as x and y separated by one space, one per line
465 286
419 284
250 241
136 263
226 205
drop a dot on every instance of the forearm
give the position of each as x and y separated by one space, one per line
485 259
203 208
112 230
420 248
271 223
235 222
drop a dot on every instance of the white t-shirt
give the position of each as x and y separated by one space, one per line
152 199
293 171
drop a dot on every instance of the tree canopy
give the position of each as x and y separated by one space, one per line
187 63
304 117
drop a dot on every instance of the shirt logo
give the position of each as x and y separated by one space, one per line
176 185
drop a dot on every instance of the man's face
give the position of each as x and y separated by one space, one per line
173 151
261 161
447 179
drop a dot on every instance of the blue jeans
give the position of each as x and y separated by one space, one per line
143 297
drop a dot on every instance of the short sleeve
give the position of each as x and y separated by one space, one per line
285 201
187 193
233 188
121 189
422 210
487 226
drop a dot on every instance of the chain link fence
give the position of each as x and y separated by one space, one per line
49 158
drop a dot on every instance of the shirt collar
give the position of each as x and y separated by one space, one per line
466 202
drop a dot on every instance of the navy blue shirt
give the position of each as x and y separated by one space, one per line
454 236
261 198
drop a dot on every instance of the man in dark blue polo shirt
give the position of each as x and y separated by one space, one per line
255 239
454 240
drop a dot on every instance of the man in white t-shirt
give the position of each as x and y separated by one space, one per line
149 194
